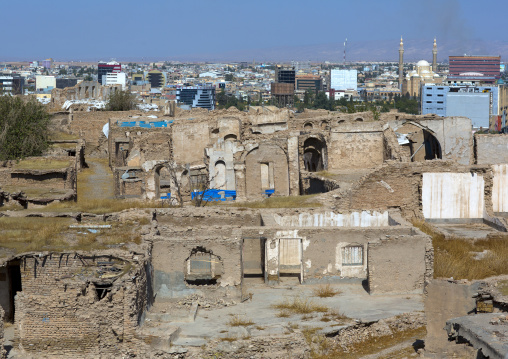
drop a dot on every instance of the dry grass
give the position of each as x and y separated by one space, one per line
228 339
283 314
26 234
237 321
326 348
454 257
300 306
100 206
62 136
42 164
325 174
325 291
502 286
280 202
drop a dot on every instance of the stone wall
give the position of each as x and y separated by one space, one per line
356 147
190 139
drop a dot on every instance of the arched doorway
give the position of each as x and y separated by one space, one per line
220 175
432 146
313 155
162 181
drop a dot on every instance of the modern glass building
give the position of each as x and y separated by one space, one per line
105 68
196 96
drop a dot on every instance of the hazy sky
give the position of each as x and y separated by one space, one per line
104 29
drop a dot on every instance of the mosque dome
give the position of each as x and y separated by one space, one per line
422 63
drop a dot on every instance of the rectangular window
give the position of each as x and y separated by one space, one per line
352 256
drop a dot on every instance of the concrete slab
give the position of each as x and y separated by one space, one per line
353 301
478 330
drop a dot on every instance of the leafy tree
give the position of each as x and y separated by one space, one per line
24 127
121 101
62 72
229 77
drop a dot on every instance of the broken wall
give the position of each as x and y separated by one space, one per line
171 267
61 312
190 138
356 146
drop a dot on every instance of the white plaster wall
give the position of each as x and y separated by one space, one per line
349 271
452 195
500 188
331 219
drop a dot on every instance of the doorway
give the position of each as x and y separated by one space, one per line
253 257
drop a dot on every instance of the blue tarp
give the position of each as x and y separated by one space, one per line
269 192
167 196
211 195
144 124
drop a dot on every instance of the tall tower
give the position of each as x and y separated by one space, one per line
401 62
434 57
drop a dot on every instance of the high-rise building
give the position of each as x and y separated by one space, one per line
115 78
197 96
105 68
156 79
344 79
479 103
309 82
48 63
285 75
11 84
484 69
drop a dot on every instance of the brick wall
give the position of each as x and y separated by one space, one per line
59 314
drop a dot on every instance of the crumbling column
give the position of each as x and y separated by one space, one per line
239 169
294 165
272 261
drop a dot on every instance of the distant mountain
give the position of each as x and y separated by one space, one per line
386 50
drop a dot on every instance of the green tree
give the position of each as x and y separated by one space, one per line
229 77
24 128
121 101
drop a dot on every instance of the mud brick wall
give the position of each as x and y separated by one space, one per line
398 185
57 179
399 264
169 258
58 312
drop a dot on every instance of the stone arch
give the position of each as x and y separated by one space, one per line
324 125
308 126
340 121
359 119
314 154
230 137
266 168
423 142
